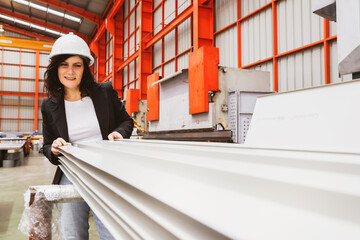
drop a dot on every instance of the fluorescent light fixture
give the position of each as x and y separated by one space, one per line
2 29
22 22
46 9
37 27
6 17
52 31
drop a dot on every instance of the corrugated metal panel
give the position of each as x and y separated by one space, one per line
27 100
169 68
132 22
126 9
27 85
256 37
169 11
9 111
10 100
12 48
28 58
182 5
302 70
132 45
11 71
332 28
157 20
225 13
131 71
137 9
126 28
297 25
26 125
125 75
227 43
157 54
26 112
27 72
169 45
8 125
44 58
1 53
132 4
40 125
41 86
137 39
267 67
11 57
10 85
248 6
183 61
126 50
184 36
42 72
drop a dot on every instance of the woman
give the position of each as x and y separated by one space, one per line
78 110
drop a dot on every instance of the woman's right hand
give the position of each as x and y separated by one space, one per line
58 143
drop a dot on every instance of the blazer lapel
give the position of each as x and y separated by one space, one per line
57 109
100 101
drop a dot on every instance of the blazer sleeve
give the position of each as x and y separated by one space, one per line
124 124
48 134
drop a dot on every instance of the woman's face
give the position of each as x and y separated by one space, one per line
70 73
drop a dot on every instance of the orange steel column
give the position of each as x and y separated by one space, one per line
238 27
204 60
145 55
275 47
36 100
326 52
118 52
101 58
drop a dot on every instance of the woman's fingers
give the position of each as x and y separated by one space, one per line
114 135
58 143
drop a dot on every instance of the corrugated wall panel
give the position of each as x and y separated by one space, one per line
157 20
332 28
184 36
302 69
157 54
248 6
132 22
182 5
11 56
42 72
169 46
297 25
334 73
227 43
27 72
137 39
10 85
27 86
169 68
28 58
41 86
9 111
44 58
225 13
10 100
256 37
132 45
183 61
26 126
126 8
125 50
169 11
131 70
126 29
11 71
9 125
26 112
27 100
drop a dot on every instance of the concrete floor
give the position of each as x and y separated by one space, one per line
36 170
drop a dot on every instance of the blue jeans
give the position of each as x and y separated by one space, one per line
74 219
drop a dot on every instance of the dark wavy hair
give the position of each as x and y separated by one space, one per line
53 85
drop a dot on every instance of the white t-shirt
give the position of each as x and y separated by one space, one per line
83 125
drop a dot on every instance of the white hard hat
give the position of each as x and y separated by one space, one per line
71 44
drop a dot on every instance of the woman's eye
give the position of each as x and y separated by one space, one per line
78 65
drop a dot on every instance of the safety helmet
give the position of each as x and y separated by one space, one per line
71 44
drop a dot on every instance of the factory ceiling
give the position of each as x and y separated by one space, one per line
49 19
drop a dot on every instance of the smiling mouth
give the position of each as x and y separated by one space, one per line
70 78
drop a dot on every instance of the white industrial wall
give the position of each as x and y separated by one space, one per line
17 75
297 26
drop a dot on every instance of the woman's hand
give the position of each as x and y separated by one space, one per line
114 135
58 143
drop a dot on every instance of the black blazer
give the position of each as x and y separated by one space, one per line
110 112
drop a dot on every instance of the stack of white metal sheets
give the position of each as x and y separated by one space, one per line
162 190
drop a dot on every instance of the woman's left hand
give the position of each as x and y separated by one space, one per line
114 135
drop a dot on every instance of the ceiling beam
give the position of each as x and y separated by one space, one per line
83 13
42 23
27 33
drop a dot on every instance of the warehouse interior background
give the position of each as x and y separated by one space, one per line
192 70
132 41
